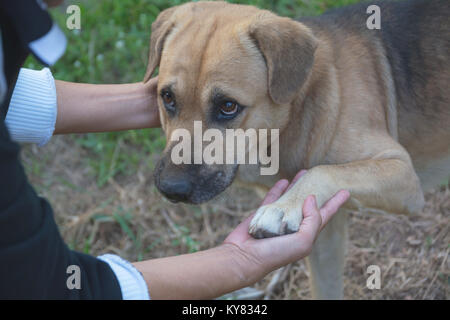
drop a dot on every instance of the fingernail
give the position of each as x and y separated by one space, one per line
345 193
310 203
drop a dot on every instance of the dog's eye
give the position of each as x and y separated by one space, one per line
168 100
224 107
167 97
229 108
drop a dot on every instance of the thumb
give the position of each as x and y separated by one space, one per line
312 220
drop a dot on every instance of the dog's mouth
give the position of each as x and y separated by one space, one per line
193 184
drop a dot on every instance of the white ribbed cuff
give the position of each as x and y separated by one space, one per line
32 111
131 281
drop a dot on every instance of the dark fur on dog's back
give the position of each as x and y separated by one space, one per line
415 35
417 42
414 39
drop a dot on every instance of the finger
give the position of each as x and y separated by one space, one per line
294 246
241 231
312 220
276 191
153 84
296 178
332 206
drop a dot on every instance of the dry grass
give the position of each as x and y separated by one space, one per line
130 218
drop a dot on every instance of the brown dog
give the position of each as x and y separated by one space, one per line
364 110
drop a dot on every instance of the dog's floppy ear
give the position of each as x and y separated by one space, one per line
160 29
288 48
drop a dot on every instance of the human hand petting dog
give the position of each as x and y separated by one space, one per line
86 107
241 260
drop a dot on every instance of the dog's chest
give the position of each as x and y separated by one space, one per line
250 176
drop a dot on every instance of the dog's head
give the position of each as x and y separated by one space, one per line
228 66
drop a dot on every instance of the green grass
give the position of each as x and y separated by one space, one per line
112 47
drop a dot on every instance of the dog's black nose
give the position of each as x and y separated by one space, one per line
175 189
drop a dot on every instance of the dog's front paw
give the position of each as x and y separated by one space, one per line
275 219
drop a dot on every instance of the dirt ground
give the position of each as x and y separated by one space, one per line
127 216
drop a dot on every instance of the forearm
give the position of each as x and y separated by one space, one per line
202 275
99 108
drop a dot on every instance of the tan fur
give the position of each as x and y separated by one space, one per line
340 118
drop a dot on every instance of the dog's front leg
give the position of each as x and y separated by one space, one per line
387 181
326 261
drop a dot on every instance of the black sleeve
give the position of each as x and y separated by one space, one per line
33 257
